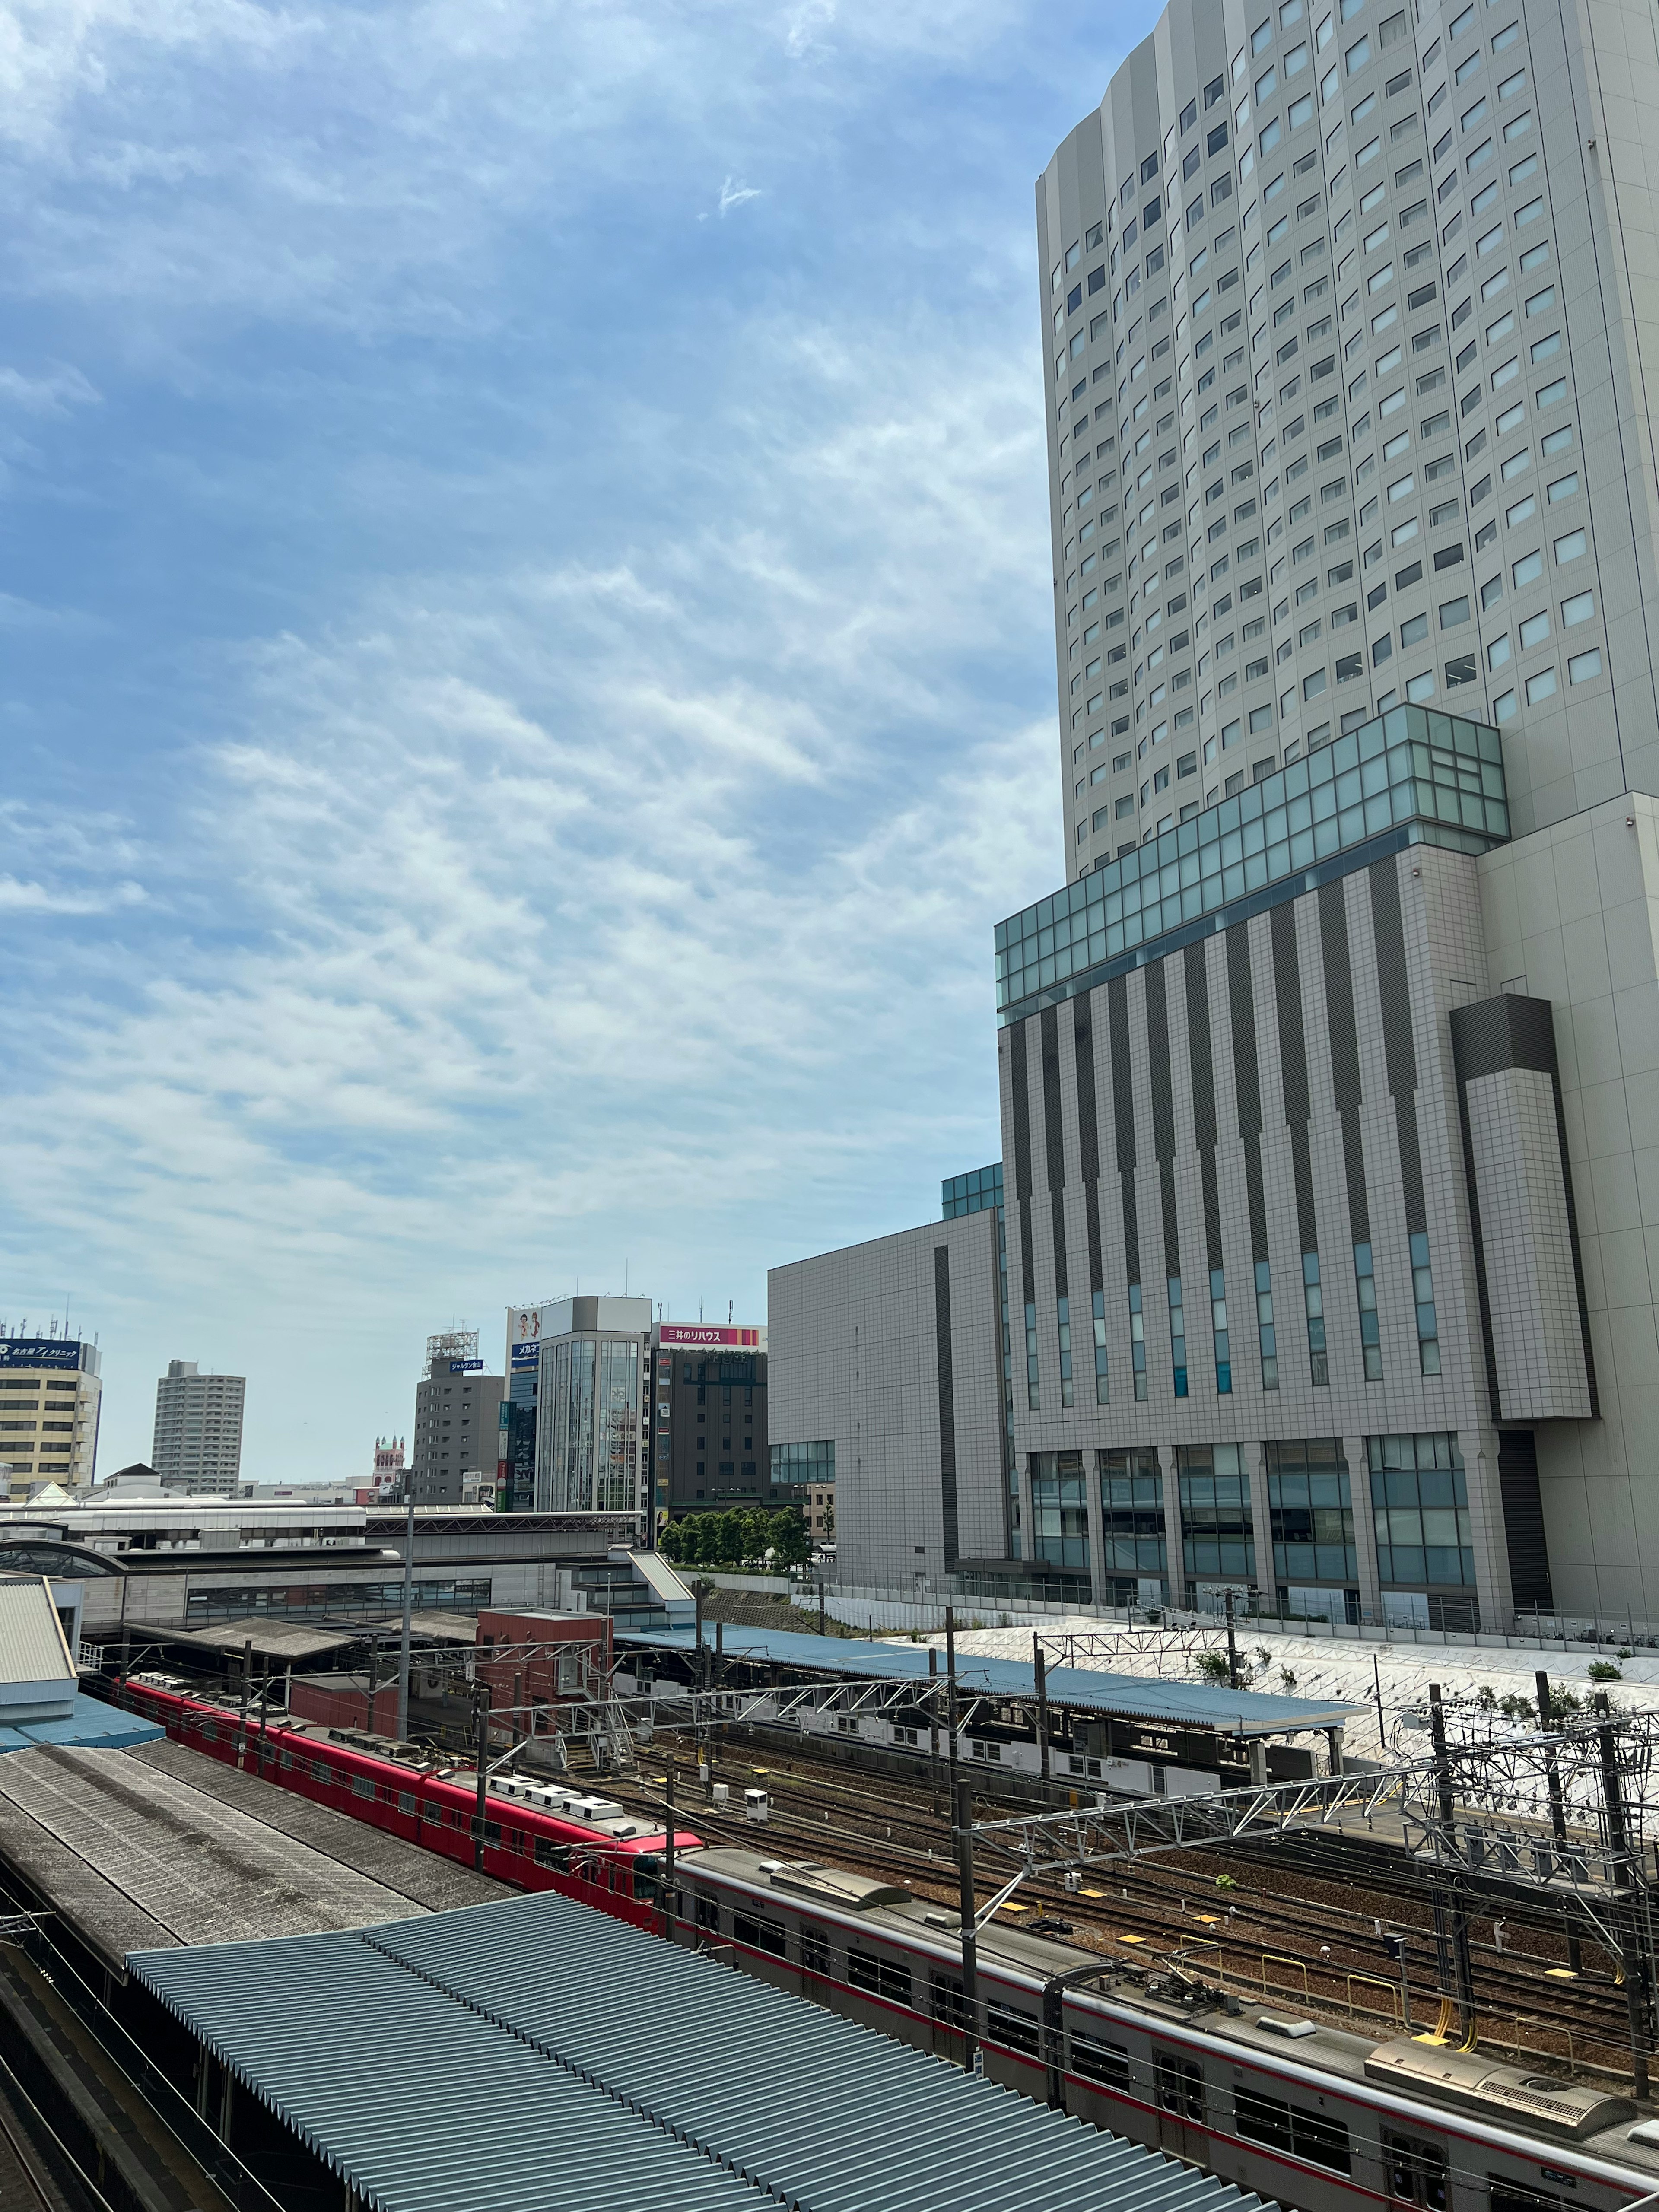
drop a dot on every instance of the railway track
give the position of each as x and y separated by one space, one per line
1289 1934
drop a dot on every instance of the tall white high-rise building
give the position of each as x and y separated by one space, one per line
198 1428
1330 1075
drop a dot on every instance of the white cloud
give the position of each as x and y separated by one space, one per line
572 835
733 194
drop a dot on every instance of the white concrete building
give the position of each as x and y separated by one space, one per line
199 1429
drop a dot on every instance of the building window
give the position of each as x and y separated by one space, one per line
1060 1510
1420 1503
1218 1537
1311 1512
1063 1314
1365 1287
1178 1336
1314 1300
1033 1392
1428 1328
1223 1365
1133 1534
1264 1326
1138 1342
797 1465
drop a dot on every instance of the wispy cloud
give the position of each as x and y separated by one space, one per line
526 709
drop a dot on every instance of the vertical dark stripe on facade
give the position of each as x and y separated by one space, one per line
1062 1289
1123 1120
1054 1138
1294 1063
1399 1048
1019 1082
1157 1059
947 1401
1091 1209
1201 1056
1247 1080
1083 1060
1345 1049
1022 1105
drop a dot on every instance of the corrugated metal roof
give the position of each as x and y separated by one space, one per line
32 1645
533 2055
1133 1697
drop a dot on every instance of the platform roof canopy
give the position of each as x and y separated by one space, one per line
534 2056
1125 1697
161 1845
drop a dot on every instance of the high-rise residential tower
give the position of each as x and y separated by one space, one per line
199 1429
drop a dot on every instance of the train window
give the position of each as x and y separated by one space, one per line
1015 2031
709 1913
1416 2170
881 1976
549 1854
759 1934
1509 2196
363 1785
846 1725
1100 2062
907 1736
1180 2086
492 1831
406 1803
814 1951
947 1999
287 1762
647 1877
1307 2135
321 1770
209 1733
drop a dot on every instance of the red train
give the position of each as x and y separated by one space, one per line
537 1834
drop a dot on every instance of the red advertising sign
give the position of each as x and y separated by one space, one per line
674 1332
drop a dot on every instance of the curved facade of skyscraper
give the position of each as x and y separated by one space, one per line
1352 331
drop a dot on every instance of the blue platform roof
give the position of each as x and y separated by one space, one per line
91 1725
534 2056
1126 1697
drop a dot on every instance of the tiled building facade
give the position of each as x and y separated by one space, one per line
1330 1077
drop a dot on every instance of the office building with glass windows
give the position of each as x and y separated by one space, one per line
593 1398
1328 1274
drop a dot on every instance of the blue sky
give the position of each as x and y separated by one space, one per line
525 658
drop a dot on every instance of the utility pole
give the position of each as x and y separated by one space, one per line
932 1704
1552 1782
481 1723
1452 1926
408 1601
1635 1966
670 1901
1232 1646
951 1692
964 1840
1039 1665
247 1683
